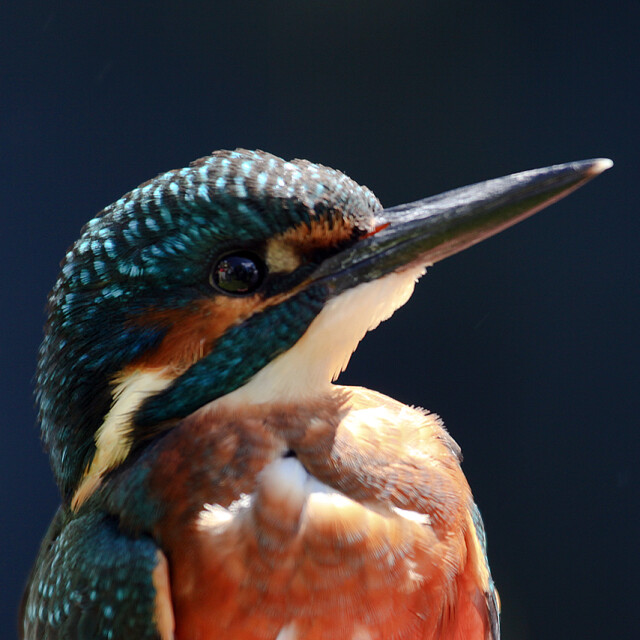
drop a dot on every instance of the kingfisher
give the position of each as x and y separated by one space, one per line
215 482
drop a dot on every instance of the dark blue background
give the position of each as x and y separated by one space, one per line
527 345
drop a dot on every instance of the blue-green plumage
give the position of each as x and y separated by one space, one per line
152 250
239 355
187 289
91 581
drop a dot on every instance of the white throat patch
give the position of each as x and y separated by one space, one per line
324 350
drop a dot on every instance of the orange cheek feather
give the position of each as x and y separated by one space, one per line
193 331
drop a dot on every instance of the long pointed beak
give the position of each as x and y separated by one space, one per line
426 231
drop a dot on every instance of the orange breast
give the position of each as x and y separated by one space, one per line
364 534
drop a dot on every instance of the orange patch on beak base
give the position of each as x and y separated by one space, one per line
379 228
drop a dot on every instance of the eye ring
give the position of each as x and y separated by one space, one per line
237 273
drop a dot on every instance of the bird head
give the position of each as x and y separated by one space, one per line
239 277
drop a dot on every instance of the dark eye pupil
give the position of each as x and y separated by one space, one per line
237 273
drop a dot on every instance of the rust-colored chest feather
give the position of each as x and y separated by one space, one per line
347 517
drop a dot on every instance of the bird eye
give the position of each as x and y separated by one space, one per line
238 273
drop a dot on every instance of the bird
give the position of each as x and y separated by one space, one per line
215 481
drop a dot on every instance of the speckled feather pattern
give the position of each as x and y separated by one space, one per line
91 582
341 514
252 193
152 248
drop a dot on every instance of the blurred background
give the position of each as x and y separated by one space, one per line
526 345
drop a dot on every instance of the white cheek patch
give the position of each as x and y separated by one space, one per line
112 438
